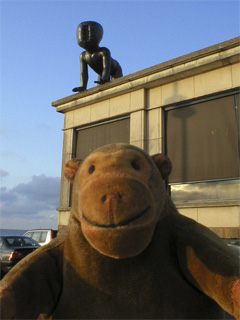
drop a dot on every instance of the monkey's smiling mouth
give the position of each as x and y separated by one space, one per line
121 224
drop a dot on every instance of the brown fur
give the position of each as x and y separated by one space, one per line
214 285
111 222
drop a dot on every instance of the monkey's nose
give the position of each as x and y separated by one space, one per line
111 201
110 197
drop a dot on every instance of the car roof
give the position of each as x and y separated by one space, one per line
39 230
9 236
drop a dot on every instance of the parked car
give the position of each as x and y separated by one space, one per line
13 249
42 236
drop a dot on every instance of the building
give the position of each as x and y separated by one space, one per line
188 108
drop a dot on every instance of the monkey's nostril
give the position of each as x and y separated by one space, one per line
104 198
119 195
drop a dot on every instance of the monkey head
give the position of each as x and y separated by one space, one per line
118 196
89 35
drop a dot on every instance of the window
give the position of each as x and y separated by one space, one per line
92 137
43 236
206 191
28 234
203 145
10 241
36 236
14 241
29 243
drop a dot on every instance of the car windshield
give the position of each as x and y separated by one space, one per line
21 242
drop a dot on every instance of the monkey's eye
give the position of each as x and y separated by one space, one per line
91 169
135 165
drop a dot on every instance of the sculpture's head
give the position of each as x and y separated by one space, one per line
89 35
118 196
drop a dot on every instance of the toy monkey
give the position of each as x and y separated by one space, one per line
127 254
89 35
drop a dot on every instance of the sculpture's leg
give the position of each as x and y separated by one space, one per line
117 71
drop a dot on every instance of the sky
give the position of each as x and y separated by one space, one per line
40 63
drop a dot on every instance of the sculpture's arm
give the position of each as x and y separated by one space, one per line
84 71
83 74
210 265
106 58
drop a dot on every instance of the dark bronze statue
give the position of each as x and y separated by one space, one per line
89 35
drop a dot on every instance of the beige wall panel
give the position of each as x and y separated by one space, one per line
154 135
153 146
63 218
156 146
127 103
154 97
77 117
155 123
137 129
140 144
213 81
177 91
219 216
137 100
64 193
68 141
67 155
68 119
81 116
236 75
191 213
99 111
120 105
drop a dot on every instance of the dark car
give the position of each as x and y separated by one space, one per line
13 249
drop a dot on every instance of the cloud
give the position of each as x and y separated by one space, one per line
30 199
43 126
53 216
11 155
4 131
3 173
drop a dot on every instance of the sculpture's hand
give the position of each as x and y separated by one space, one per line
78 89
101 81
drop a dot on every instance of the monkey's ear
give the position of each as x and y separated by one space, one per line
71 168
163 163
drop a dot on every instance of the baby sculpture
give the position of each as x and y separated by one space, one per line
89 35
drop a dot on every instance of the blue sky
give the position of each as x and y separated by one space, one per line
40 64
